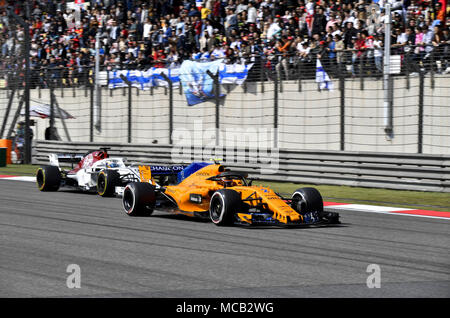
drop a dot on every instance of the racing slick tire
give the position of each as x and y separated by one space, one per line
307 200
107 181
139 199
223 206
48 178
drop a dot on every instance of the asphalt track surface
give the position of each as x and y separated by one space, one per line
171 256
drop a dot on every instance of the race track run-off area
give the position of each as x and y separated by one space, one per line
371 254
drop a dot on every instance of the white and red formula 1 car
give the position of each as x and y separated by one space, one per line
98 172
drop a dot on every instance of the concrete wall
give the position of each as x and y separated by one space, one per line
436 119
365 117
307 118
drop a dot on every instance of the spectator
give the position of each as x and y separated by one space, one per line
230 21
378 53
282 48
251 13
349 33
272 32
273 28
319 21
331 56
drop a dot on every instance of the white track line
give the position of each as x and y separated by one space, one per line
387 210
28 179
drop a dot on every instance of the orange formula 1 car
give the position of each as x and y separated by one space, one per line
226 197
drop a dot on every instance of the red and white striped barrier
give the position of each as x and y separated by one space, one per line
388 210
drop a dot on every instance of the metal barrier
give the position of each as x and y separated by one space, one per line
365 169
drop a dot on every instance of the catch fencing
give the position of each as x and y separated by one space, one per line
351 116
281 95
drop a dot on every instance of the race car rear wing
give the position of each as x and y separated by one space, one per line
55 159
161 170
166 170
148 173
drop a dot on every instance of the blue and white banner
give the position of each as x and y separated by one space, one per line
322 77
144 79
234 73
197 84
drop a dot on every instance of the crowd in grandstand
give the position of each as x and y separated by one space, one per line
272 34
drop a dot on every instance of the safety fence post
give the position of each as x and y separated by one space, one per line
124 78
387 78
262 74
420 113
169 81
407 70
361 71
86 80
26 95
215 78
275 109
52 103
342 106
91 115
432 62
300 76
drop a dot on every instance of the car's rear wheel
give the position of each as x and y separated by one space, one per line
48 178
139 199
223 206
107 181
307 200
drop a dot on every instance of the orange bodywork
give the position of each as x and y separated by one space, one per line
198 184
145 174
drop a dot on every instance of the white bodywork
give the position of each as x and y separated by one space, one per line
86 177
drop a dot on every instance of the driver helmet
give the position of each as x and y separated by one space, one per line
228 183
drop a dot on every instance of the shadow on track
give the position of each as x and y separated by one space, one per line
186 218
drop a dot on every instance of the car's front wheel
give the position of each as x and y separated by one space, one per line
223 206
307 200
107 180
